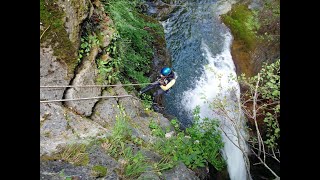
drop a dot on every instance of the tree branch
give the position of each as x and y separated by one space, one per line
260 141
265 165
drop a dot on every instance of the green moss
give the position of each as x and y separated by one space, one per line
56 35
48 158
243 24
99 171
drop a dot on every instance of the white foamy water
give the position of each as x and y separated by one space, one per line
215 83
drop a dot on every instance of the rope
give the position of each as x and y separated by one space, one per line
85 86
98 97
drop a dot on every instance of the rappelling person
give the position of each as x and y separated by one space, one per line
165 81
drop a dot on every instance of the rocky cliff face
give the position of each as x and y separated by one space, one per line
85 122
266 46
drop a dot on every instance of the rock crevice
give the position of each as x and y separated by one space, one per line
86 75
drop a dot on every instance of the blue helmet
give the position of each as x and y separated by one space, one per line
165 71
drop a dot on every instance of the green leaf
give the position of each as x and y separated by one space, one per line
275 93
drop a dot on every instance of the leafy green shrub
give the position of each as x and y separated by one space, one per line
133 47
135 164
194 147
156 129
121 129
268 99
110 70
175 123
121 133
132 165
86 44
107 71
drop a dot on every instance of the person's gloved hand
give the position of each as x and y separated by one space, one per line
161 82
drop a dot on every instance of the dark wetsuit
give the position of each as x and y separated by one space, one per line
164 81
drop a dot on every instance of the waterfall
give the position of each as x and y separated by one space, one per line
215 82
200 48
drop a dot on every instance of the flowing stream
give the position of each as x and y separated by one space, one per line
199 45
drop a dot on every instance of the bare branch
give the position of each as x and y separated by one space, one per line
260 141
271 155
265 164
274 155
257 163
264 105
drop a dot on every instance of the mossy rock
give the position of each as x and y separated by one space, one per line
242 24
99 171
52 19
